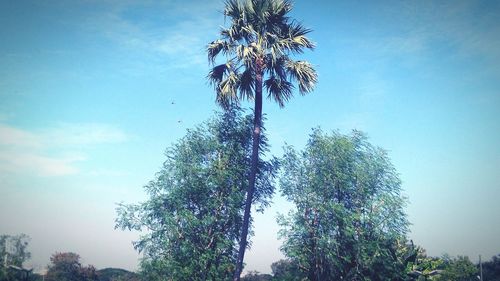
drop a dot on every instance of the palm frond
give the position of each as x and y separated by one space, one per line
274 49
216 74
281 7
275 66
215 47
293 39
280 90
303 73
246 84
246 54
297 33
256 10
276 19
227 89
234 9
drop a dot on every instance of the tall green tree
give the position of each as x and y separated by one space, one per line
195 207
349 221
257 49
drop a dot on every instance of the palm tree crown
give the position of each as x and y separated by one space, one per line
259 41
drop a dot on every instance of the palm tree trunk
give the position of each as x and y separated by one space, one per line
257 124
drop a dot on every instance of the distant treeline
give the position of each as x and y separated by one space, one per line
67 267
62 267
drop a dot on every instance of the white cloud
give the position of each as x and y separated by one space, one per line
28 162
83 134
10 136
177 38
26 152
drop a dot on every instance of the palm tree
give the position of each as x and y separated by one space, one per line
257 47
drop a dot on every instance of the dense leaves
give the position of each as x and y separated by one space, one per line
349 221
256 276
458 269
194 212
67 267
286 270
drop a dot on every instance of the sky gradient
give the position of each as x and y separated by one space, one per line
93 92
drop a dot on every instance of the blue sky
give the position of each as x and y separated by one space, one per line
93 92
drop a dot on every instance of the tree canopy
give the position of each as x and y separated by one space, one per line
67 267
194 212
458 269
349 222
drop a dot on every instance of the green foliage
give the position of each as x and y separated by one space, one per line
287 270
194 212
349 221
13 252
256 276
423 267
67 267
458 269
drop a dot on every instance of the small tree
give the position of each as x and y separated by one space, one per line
349 221
286 270
67 267
194 212
257 276
13 252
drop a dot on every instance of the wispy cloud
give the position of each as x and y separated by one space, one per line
177 31
53 151
459 29
82 134
466 25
